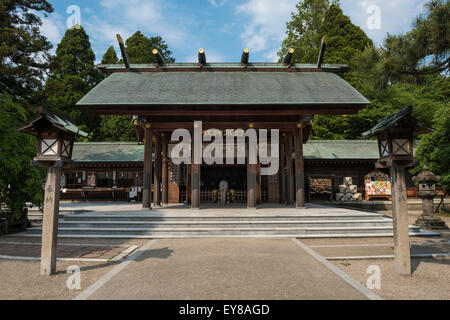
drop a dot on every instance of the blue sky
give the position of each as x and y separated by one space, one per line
222 27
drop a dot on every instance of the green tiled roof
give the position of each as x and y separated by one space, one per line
259 66
314 149
69 126
341 149
45 117
222 88
393 120
107 152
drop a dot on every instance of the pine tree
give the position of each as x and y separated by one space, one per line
139 49
23 49
411 57
345 41
72 75
110 56
19 181
304 30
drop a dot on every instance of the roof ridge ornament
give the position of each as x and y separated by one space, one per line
201 57
288 57
245 57
158 57
123 51
323 47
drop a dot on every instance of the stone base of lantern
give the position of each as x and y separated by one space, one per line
430 222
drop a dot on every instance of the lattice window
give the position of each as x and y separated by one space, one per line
401 147
49 146
384 148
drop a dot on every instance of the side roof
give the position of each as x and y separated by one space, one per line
313 150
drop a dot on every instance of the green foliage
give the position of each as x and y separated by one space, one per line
23 49
139 48
345 41
434 148
72 75
411 57
116 128
304 30
19 182
110 56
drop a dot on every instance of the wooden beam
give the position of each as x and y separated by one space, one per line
299 168
251 185
245 57
288 57
157 172
184 111
322 51
165 173
123 51
158 57
289 176
401 224
50 221
147 174
201 57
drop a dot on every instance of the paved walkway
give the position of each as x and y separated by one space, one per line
223 269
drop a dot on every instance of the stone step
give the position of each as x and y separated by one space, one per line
194 232
223 224
218 217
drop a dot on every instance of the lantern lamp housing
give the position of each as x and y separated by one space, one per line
395 135
55 138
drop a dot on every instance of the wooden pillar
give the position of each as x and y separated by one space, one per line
165 174
251 186
299 168
50 221
401 224
188 184
147 174
289 173
157 173
282 174
195 185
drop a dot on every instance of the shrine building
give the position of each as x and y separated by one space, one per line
164 97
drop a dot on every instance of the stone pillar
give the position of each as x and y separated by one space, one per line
50 221
157 173
299 168
289 174
195 185
282 174
147 174
165 174
401 224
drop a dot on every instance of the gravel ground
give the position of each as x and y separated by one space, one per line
430 279
20 280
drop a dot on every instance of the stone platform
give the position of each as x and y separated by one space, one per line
124 220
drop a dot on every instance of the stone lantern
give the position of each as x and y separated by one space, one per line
427 191
55 137
395 135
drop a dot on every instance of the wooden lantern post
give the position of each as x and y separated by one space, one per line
54 151
395 142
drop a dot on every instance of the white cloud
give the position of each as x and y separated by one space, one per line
266 26
148 16
266 20
217 3
53 27
390 11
